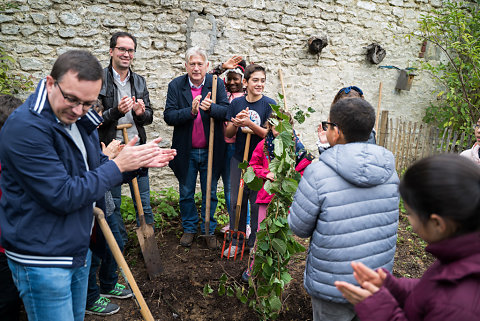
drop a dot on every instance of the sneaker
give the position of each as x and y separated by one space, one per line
248 231
225 228
232 251
102 306
246 276
187 239
212 242
119 292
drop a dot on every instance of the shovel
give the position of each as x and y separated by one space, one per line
238 207
145 233
208 198
122 264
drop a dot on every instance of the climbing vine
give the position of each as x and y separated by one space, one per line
275 243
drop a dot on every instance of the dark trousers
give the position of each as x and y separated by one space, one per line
248 195
9 300
107 274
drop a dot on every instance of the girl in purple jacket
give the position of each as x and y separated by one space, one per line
442 198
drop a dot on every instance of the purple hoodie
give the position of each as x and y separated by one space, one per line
449 289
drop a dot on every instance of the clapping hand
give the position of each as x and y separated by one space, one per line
195 104
138 106
206 102
369 279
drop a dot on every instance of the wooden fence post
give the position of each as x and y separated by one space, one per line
383 128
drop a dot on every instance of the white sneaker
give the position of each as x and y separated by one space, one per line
232 251
225 228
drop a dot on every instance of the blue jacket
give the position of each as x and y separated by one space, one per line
48 193
347 202
178 113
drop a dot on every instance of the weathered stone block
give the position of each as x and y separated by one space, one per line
367 5
114 22
397 3
10 29
5 18
29 64
70 18
168 28
398 12
67 33
39 18
39 4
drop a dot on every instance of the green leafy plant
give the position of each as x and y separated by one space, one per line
127 210
275 242
455 30
11 82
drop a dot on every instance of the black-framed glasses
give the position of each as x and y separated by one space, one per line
325 123
346 90
74 102
124 50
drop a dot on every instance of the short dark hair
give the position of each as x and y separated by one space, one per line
447 185
120 34
355 117
8 103
253 68
81 62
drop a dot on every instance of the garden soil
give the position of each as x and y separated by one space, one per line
177 294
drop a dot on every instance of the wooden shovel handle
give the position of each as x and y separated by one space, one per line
242 184
136 191
208 198
117 254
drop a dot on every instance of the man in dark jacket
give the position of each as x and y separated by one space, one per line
53 173
125 100
189 108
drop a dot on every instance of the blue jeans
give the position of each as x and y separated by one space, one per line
198 162
108 267
144 188
225 174
52 293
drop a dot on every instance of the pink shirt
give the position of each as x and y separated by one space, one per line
198 135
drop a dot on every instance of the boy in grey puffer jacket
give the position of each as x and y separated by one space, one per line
347 202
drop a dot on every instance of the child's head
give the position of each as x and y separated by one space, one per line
274 117
442 196
348 92
254 79
234 79
98 107
476 128
354 118
8 103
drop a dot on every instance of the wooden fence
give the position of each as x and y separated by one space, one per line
411 141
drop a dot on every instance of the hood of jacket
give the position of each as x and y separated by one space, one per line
360 164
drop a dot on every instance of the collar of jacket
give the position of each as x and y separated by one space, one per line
458 256
40 106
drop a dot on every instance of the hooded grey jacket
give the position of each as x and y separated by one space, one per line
347 202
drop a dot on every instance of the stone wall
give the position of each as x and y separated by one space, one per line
270 32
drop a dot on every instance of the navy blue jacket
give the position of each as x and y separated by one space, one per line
178 113
48 193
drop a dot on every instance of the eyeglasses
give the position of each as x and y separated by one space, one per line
346 90
123 50
74 102
325 123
